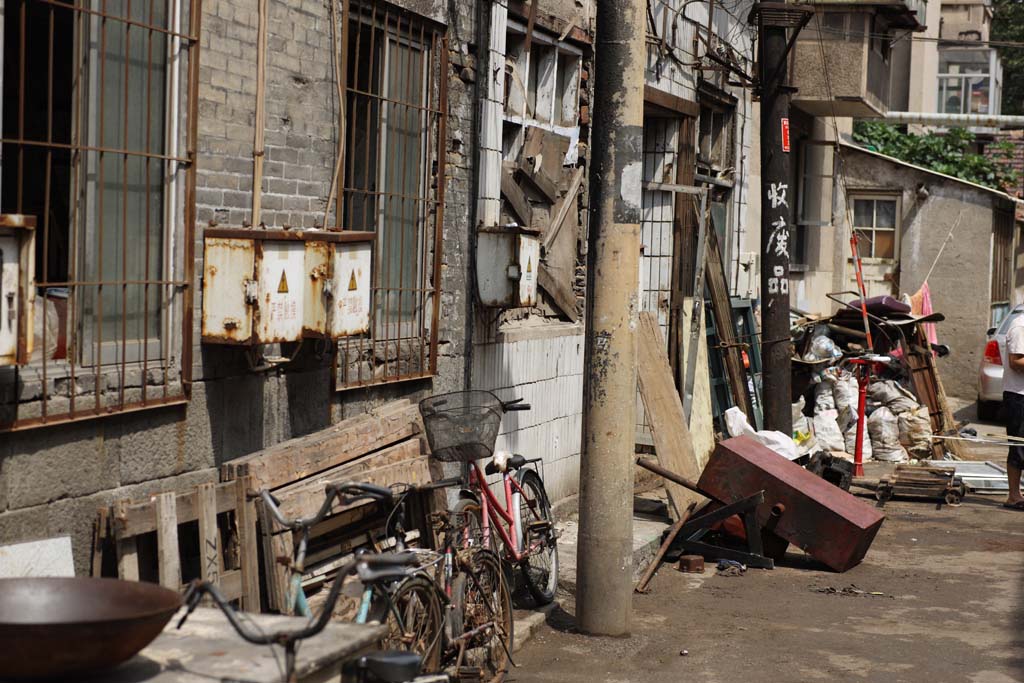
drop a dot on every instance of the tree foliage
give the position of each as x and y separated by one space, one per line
949 153
1008 25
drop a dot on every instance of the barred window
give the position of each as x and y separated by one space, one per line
97 141
394 187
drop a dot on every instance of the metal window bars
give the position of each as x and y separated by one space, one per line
98 141
395 66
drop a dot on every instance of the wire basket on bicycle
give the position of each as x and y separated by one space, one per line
462 426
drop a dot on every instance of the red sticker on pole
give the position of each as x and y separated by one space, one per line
785 135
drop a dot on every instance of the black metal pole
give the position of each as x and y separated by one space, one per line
776 218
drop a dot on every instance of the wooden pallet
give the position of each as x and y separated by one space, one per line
124 523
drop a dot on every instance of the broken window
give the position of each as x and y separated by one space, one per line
392 183
542 79
715 137
97 113
875 221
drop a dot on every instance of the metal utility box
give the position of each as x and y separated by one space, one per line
17 287
268 286
507 261
826 522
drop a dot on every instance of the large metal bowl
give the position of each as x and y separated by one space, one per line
62 627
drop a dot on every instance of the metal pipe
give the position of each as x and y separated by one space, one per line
956 120
605 555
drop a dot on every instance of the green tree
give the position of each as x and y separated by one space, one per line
1008 24
949 153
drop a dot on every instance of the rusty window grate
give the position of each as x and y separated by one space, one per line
98 135
395 66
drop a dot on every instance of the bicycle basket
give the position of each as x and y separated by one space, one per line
462 426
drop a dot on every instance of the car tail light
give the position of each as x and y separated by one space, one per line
992 353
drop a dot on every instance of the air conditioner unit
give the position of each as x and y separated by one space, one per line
17 287
269 286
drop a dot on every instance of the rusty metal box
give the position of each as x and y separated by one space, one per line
691 564
828 523
268 286
17 288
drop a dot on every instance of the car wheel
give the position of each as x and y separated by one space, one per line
988 411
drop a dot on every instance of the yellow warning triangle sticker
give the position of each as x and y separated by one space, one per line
529 265
282 286
352 284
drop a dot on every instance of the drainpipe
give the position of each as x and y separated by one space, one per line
953 120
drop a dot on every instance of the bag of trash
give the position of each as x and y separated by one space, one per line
884 429
890 394
823 397
737 425
850 438
822 348
915 432
827 432
847 395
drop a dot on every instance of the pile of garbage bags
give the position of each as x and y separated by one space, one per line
898 427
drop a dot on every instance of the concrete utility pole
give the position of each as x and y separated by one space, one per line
605 556
774 21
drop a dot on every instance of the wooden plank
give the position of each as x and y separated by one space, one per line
127 559
126 549
298 458
168 561
230 584
671 102
134 519
209 539
721 306
665 412
538 179
275 544
516 198
567 203
304 501
248 552
99 535
560 292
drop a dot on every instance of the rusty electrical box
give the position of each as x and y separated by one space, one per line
17 287
268 286
826 522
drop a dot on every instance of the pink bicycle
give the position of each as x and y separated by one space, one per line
463 427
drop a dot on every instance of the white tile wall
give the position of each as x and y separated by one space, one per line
547 374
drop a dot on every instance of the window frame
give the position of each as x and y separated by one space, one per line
123 374
877 196
396 348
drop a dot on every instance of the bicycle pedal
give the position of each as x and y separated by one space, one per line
539 526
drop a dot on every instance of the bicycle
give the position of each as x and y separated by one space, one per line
463 427
467 586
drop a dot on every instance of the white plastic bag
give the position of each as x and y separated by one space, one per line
823 398
915 432
884 429
851 442
737 425
827 432
890 394
847 395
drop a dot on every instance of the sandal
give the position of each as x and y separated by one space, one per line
1019 505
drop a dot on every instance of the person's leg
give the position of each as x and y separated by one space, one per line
1013 405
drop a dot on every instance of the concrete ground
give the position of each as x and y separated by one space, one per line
950 608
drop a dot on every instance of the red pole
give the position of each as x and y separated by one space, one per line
863 379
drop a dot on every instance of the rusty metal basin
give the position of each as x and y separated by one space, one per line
62 627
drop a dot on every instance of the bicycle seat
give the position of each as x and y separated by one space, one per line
385 567
503 461
392 666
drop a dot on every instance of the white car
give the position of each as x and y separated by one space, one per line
990 372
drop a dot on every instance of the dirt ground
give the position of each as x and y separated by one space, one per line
952 610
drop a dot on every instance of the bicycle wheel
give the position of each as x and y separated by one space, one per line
468 511
535 523
414 620
486 607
